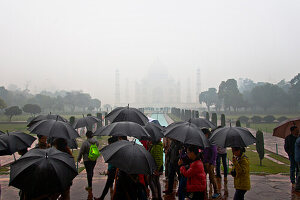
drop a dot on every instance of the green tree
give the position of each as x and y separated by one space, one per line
32 109
229 93
214 119
238 123
11 111
267 95
72 120
223 120
207 116
260 145
2 104
209 97
96 103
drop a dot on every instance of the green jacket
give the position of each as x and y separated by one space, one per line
157 153
242 178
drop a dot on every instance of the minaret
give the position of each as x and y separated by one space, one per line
117 88
188 91
198 84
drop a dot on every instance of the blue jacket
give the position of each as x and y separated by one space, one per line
297 150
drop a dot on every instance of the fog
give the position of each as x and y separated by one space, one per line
79 45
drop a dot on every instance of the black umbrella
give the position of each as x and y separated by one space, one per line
54 128
154 130
43 171
45 117
1 133
127 114
232 137
129 157
202 123
88 121
15 141
187 133
122 129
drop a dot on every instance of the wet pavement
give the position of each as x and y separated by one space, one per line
262 187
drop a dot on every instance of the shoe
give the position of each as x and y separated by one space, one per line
216 195
167 192
88 188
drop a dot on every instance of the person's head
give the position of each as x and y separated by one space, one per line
294 130
112 139
238 151
42 139
60 144
89 134
122 138
207 132
193 152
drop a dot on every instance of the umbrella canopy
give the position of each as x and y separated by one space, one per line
87 121
232 137
14 141
202 123
127 114
187 133
129 157
43 171
154 130
283 129
45 117
54 128
122 129
1 132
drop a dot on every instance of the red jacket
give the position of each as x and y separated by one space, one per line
196 177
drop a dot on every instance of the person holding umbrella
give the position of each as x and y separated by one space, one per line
240 172
88 163
289 147
209 160
156 150
42 142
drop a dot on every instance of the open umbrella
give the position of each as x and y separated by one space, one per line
15 141
232 137
202 123
154 130
1 132
87 121
122 129
283 129
54 128
127 114
43 171
129 157
45 117
187 133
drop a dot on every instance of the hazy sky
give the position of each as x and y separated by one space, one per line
78 45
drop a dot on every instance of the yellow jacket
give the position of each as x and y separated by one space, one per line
242 178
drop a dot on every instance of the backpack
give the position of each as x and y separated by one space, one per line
94 152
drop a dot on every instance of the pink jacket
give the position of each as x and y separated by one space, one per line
196 177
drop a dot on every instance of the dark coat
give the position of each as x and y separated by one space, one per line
289 145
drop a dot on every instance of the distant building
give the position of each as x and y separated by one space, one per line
157 88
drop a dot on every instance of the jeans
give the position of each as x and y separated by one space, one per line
109 182
239 194
155 186
198 196
173 168
182 188
89 167
218 162
293 168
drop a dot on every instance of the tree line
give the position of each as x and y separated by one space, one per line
60 102
283 96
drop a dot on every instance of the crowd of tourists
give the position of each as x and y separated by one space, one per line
189 164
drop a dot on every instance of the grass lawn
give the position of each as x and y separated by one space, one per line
265 127
268 166
13 127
